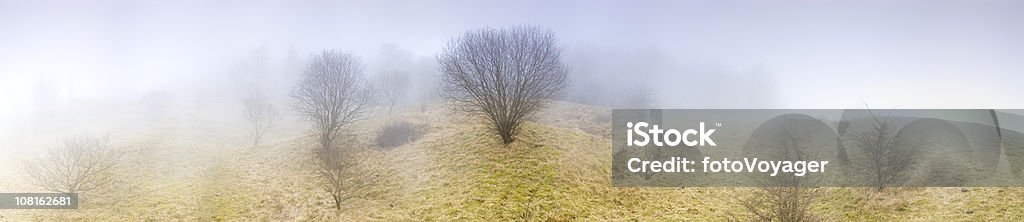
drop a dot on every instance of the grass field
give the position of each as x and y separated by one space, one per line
198 165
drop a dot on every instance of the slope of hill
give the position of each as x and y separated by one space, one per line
200 167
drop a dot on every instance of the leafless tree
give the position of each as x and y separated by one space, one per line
250 74
887 157
261 115
332 93
79 164
393 86
505 74
351 172
394 65
783 198
336 170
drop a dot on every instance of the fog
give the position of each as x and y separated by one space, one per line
690 54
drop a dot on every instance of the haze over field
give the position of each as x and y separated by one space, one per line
693 54
385 110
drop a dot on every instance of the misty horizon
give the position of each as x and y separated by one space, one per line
796 54
460 110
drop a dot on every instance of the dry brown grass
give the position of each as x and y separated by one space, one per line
200 167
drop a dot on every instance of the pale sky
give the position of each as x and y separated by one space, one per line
817 54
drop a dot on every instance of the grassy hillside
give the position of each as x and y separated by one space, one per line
199 166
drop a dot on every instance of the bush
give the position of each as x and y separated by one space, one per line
779 204
351 171
79 164
397 134
886 157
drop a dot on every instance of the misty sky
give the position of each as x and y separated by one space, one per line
819 54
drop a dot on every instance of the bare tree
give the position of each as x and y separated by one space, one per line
79 164
505 74
353 172
393 86
394 65
887 157
250 74
332 93
784 197
261 115
336 170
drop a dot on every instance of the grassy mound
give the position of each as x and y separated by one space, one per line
559 169
548 174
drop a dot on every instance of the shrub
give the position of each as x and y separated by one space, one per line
397 134
78 164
